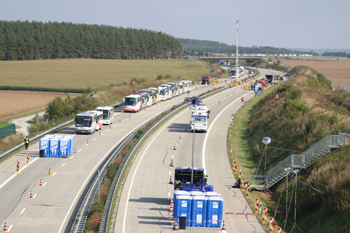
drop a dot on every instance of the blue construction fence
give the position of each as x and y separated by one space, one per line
7 130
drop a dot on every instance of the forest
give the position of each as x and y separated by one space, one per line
52 40
336 54
206 46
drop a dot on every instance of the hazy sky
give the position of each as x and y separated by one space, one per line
313 24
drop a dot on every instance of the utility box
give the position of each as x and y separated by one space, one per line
199 211
215 212
182 222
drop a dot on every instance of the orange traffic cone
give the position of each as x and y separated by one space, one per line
41 183
50 174
129 115
75 150
120 121
223 225
5 227
68 156
100 132
110 126
31 195
172 163
87 142
174 147
171 181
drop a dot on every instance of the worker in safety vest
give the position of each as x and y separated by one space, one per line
277 97
26 142
206 180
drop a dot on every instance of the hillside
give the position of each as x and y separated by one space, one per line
52 40
207 46
308 109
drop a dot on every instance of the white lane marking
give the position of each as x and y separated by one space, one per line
72 157
44 184
23 210
54 174
63 165
11 177
10 228
107 130
79 150
206 135
34 196
94 139
87 144
114 126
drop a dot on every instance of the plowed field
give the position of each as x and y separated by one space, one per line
339 71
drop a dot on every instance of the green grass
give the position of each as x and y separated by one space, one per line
3 124
84 73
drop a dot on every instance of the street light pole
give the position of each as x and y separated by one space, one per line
192 152
237 73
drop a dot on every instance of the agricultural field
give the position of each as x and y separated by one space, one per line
339 71
85 73
16 103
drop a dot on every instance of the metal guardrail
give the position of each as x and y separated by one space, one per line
305 159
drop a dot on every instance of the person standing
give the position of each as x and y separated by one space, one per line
242 99
206 180
276 96
26 142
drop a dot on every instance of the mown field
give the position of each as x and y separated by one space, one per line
85 73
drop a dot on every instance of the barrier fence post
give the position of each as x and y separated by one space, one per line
17 168
28 158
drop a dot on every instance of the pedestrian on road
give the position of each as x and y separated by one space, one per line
26 142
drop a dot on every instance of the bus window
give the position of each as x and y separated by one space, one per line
83 121
130 101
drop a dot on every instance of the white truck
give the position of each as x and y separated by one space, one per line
199 118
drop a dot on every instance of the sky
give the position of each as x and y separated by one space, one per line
310 24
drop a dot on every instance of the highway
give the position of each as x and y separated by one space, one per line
144 204
54 203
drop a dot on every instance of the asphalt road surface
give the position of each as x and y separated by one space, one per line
53 203
144 204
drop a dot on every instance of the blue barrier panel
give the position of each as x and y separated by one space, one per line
199 211
183 208
215 211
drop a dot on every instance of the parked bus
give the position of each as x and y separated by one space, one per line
162 94
180 85
173 89
99 119
155 91
144 99
168 91
187 86
133 102
108 114
85 122
149 96
153 95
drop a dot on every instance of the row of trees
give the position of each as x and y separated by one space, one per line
206 46
336 54
37 40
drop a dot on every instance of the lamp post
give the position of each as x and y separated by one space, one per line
266 141
237 73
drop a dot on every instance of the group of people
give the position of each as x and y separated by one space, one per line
178 183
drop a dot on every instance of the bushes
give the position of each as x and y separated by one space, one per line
292 108
292 92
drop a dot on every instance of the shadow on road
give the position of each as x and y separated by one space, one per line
178 127
159 201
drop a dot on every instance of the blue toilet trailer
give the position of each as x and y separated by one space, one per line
44 144
199 211
215 211
55 147
183 208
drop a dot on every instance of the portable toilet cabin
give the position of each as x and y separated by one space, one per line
178 193
183 208
66 147
215 211
212 194
197 193
44 144
55 147
199 211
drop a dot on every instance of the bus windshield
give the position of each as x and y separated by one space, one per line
199 120
130 101
162 92
83 121
105 114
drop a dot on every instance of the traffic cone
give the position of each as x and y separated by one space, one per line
171 181
129 116
17 168
5 227
223 225
28 158
174 147
31 195
50 174
68 155
180 137
120 121
122 110
100 134
247 101
172 163
87 142
175 226
41 183
110 126
75 150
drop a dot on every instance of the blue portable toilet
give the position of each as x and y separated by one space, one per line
44 144
55 147
199 211
197 193
215 211
178 193
65 148
183 208
212 194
